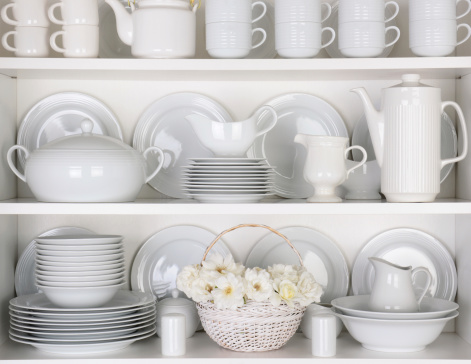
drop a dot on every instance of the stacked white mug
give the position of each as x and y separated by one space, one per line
79 20
229 32
433 26
362 27
31 28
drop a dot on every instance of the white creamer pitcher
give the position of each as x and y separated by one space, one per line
406 139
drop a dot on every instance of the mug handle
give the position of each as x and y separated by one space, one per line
52 17
463 25
464 132
272 123
397 36
52 41
161 163
10 160
427 284
467 10
329 29
363 161
396 6
264 37
329 11
5 44
5 16
264 6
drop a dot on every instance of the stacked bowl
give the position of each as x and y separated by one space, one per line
80 271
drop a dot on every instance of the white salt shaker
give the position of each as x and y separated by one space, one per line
173 334
324 335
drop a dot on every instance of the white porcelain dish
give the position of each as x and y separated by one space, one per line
79 239
408 247
226 161
80 284
80 278
71 266
430 308
227 198
297 113
320 255
85 335
80 273
83 260
267 49
163 125
78 248
159 259
395 336
77 253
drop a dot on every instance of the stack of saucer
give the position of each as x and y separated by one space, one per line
228 180
80 271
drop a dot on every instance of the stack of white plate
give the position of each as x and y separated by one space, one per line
80 271
128 317
228 180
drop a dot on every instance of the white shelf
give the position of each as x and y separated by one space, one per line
202 350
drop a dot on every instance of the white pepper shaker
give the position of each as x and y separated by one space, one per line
173 334
324 335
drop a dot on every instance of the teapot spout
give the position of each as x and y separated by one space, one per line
123 21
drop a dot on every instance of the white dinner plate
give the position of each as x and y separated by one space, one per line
225 160
77 248
297 113
24 274
161 257
226 198
267 23
80 273
60 115
408 247
265 175
67 266
320 256
163 124
76 253
104 259
226 191
79 239
110 44
223 169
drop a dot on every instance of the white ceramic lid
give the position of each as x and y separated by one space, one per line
175 301
411 80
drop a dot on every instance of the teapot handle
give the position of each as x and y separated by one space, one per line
459 112
272 123
10 160
427 284
161 163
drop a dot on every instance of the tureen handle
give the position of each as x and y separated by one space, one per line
161 163
10 160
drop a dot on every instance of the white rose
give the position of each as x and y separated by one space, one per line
309 290
201 291
229 292
217 266
259 284
287 291
284 272
187 277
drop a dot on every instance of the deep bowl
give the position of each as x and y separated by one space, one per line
363 183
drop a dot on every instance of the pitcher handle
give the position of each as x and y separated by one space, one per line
161 163
273 120
427 284
12 164
363 161
464 152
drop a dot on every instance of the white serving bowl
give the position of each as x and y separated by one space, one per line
78 273
394 335
76 266
312 310
363 183
80 278
102 283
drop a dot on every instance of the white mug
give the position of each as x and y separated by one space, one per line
26 13
301 10
78 41
365 10
300 39
232 11
364 39
231 39
75 12
436 9
28 41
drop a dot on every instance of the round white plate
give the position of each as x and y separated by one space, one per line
236 168
82 278
24 274
163 124
77 248
79 273
268 48
67 266
226 191
224 198
104 259
79 239
229 180
160 258
226 160
110 44
320 255
406 247
228 184
228 175
60 115
297 113
77 253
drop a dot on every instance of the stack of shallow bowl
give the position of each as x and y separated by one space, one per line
228 180
80 271
394 331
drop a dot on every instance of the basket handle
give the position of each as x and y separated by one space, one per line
252 225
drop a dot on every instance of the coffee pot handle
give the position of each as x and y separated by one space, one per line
427 284
464 132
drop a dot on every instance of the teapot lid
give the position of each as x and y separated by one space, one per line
411 80
86 141
175 301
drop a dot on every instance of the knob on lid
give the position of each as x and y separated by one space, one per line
411 80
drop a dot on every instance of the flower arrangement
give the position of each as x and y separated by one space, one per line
230 285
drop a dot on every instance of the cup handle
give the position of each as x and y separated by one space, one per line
329 11
161 163
467 10
52 41
5 44
12 164
464 132
397 36
363 161
463 25
264 6
52 17
396 6
329 29
264 37
273 120
427 284
5 16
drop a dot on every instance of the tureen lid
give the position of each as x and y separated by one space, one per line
411 80
86 141
175 301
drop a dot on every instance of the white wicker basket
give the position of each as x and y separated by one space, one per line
256 326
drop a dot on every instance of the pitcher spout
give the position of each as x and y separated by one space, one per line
301 139
124 22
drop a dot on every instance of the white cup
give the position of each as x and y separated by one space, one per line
364 39
301 10
26 13
300 39
232 11
231 39
28 41
436 37
83 12
365 10
436 9
77 40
